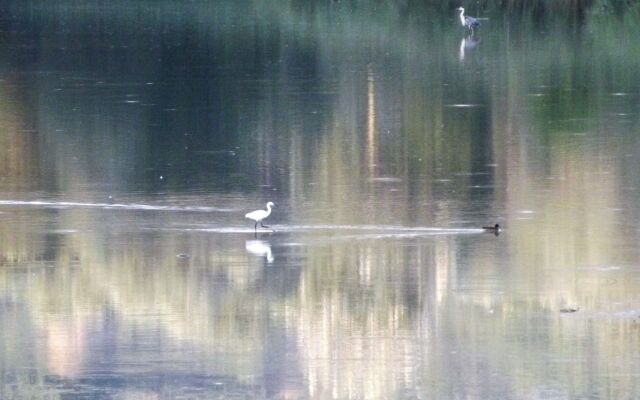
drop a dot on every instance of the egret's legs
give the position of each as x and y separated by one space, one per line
264 226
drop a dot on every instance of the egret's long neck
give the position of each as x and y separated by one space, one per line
268 209
462 16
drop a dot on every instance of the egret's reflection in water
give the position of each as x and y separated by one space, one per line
260 248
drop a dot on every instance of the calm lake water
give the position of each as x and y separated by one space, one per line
134 136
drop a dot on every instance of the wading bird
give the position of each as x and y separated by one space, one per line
493 229
259 215
468 22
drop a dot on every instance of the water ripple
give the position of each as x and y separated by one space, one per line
115 206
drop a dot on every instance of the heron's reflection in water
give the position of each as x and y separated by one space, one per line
467 44
259 248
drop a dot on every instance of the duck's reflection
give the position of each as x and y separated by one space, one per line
259 248
468 44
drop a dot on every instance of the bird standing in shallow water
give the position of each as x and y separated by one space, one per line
493 229
259 215
468 22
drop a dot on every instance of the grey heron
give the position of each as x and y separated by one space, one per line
468 22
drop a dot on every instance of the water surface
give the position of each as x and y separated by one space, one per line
134 138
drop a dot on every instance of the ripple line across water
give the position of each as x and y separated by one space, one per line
115 206
372 230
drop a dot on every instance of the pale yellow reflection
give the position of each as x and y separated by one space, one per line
66 336
358 340
146 285
372 139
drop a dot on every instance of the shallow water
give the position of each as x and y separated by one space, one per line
134 138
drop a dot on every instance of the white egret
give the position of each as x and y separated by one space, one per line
259 215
